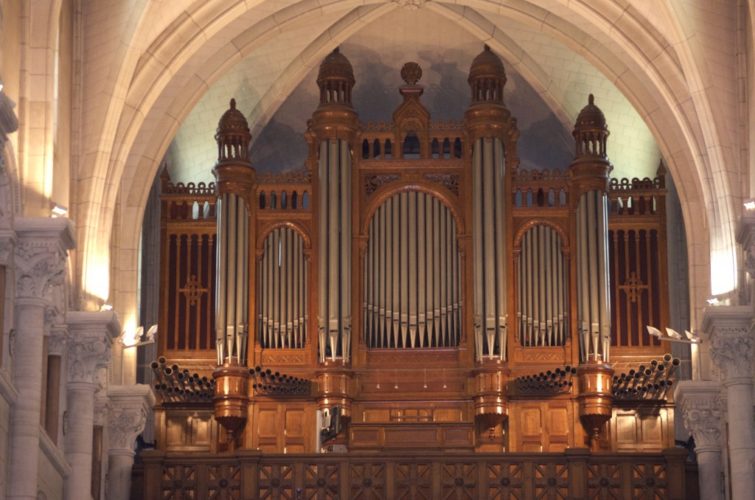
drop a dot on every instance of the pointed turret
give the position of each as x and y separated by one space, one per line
233 136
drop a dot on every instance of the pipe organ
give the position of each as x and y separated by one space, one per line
411 275
446 285
541 280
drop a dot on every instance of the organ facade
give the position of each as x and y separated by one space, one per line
412 290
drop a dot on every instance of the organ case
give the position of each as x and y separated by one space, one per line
415 274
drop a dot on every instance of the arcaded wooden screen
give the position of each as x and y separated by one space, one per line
542 284
637 249
187 311
635 286
412 295
282 291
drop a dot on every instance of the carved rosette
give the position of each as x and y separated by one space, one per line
124 425
85 355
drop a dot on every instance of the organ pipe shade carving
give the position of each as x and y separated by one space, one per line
334 221
232 292
542 283
488 164
282 291
412 276
593 285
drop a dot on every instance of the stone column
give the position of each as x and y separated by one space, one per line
40 260
700 406
730 336
91 337
129 407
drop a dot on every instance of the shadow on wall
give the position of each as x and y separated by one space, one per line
544 141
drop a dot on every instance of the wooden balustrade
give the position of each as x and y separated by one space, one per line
573 474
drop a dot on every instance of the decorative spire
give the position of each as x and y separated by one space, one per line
335 79
487 77
590 132
411 73
233 136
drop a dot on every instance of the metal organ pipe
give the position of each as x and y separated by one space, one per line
541 295
592 263
335 249
489 251
232 279
282 308
413 295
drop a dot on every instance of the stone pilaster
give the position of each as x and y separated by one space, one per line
91 337
130 406
39 259
730 336
700 405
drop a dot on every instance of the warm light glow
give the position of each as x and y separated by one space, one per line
97 277
130 334
106 307
723 272
750 204
58 211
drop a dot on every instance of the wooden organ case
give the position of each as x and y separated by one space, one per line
414 277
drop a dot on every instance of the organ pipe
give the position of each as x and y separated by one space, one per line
592 264
335 249
541 288
282 314
488 164
413 297
231 304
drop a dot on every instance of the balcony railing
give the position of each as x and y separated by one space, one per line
574 474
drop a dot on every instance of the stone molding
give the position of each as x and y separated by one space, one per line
729 333
90 339
129 409
40 257
702 411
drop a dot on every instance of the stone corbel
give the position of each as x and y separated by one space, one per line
702 410
729 332
129 409
90 341
40 256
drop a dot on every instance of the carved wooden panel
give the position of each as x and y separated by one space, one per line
283 427
646 429
367 480
414 481
505 481
179 482
276 481
459 481
186 430
224 482
322 481
551 480
541 426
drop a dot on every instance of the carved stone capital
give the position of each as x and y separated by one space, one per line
57 341
129 409
701 408
730 336
90 340
41 251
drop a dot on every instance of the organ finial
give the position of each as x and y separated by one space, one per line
335 79
590 132
487 77
233 136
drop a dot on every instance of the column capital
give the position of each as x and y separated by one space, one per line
57 340
701 408
41 251
129 408
729 332
91 337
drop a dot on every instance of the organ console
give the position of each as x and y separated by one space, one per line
415 277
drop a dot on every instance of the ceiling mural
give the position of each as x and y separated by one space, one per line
445 51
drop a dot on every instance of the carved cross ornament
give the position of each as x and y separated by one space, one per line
633 286
192 290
